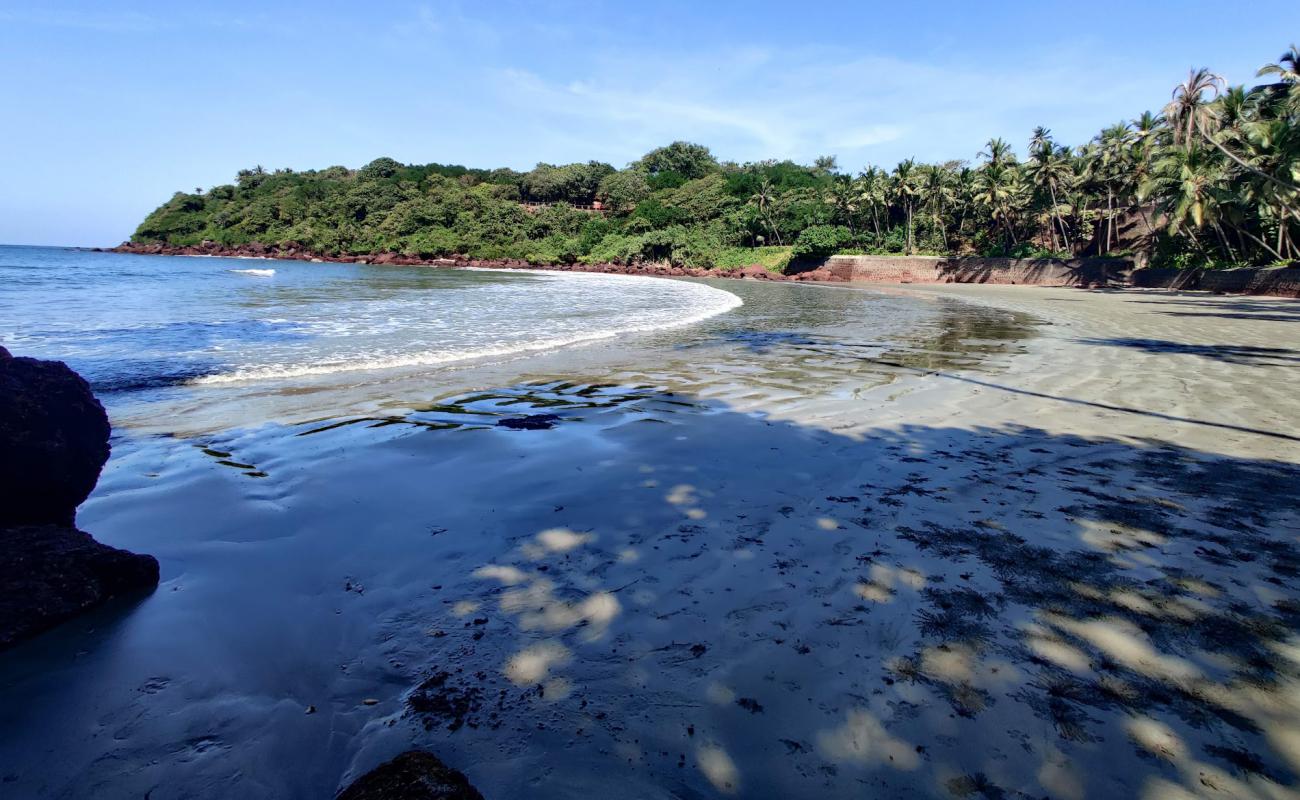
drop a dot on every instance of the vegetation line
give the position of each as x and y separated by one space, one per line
1211 181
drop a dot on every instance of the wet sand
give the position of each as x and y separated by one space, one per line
1034 542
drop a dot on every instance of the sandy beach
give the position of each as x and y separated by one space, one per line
1005 542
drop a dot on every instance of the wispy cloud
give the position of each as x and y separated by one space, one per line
867 136
753 104
103 21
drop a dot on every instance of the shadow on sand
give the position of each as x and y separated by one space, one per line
664 597
765 609
1279 310
1231 354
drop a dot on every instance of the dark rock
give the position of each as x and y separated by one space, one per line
51 573
532 422
818 274
414 775
53 441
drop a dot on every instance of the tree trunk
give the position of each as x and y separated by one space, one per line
1110 220
1223 237
1262 243
1051 185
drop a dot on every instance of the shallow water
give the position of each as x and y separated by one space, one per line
195 345
139 324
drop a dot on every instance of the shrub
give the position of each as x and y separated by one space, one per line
820 241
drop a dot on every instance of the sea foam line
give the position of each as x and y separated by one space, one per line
724 301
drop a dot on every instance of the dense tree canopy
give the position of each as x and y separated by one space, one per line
1212 180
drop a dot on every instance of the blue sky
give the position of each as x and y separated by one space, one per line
110 107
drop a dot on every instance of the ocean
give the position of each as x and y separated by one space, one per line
143 325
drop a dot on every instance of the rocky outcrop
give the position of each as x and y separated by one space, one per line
53 443
819 274
414 775
52 573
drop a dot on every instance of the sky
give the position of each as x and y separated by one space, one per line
110 107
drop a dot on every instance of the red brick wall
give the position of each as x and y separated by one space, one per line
933 269
1275 281
1278 281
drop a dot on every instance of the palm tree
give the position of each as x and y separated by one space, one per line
998 186
998 189
1193 191
1287 69
1188 113
1112 170
764 198
1147 133
1273 146
1048 169
1190 116
842 197
997 152
935 187
872 192
964 192
905 189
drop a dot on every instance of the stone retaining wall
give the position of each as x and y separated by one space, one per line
936 269
1088 272
1275 281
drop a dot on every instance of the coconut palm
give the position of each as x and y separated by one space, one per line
871 188
1191 115
904 189
935 185
1189 112
1000 190
842 197
764 199
1273 146
1112 170
1049 172
997 153
1287 68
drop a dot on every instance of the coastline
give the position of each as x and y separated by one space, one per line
260 251
887 271
755 562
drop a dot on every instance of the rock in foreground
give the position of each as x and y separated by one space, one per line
53 443
51 573
414 775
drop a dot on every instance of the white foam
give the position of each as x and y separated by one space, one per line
261 273
703 302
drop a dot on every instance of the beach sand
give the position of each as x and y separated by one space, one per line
1044 544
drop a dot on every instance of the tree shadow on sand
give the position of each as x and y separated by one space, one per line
1276 310
764 609
1231 354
